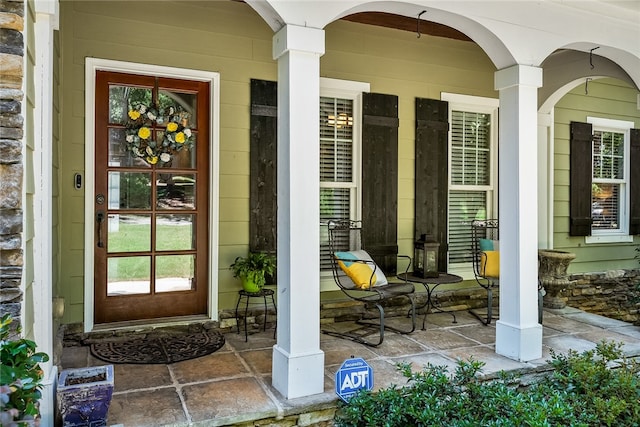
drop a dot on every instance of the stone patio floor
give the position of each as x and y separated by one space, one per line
233 385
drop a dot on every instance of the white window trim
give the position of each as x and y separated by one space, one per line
481 105
92 65
621 235
353 90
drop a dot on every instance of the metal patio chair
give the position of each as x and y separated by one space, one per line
360 279
486 261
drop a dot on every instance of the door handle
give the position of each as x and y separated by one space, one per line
99 221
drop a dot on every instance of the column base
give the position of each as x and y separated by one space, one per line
521 344
297 375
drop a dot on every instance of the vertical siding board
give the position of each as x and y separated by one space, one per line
580 179
380 178
263 166
634 183
431 163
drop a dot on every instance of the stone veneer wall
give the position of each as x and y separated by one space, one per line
614 294
11 160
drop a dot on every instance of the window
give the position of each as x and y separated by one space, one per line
472 175
340 193
610 177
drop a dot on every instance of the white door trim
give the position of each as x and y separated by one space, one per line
93 65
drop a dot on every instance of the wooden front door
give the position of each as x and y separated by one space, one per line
151 204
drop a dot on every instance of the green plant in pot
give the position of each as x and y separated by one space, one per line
253 270
20 378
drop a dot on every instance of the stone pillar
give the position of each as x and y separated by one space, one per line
11 162
518 333
298 362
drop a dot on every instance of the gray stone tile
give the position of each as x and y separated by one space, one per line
419 361
395 345
228 401
259 360
136 377
481 334
493 361
627 329
146 408
442 339
564 324
596 320
212 366
563 343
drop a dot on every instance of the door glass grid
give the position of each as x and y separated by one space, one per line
151 211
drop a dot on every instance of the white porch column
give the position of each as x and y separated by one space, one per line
298 362
46 22
518 334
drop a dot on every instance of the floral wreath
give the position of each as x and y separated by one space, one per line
140 142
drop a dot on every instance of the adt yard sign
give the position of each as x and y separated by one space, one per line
353 375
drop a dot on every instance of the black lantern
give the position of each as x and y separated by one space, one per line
425 257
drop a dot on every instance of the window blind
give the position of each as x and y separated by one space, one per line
470 148
608 180
336 166
464 207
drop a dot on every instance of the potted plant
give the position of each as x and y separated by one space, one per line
84 395
20 378
254 269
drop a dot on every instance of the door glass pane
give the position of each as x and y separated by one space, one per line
118 154
128 275
182 102
175 232
177 155
185 158
123 97
175 273
129 190
129 233
176 191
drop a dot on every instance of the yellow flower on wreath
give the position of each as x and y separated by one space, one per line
144 132
172 127
152 160
180 138
134 114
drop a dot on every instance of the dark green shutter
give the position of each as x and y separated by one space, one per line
380 179
431 180
634 183
263 166
580 179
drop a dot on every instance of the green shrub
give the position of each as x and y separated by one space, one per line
20 378
582 390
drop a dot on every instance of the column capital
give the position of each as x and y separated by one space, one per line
293 37
518 75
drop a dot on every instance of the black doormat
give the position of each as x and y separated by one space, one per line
159 349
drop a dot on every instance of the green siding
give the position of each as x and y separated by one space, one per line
606 98
230 38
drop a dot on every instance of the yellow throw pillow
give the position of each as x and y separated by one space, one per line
359 272
490 264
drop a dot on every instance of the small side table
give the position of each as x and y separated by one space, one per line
246 296
430 284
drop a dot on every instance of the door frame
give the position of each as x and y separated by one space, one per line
92 65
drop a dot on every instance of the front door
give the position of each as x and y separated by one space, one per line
151 197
